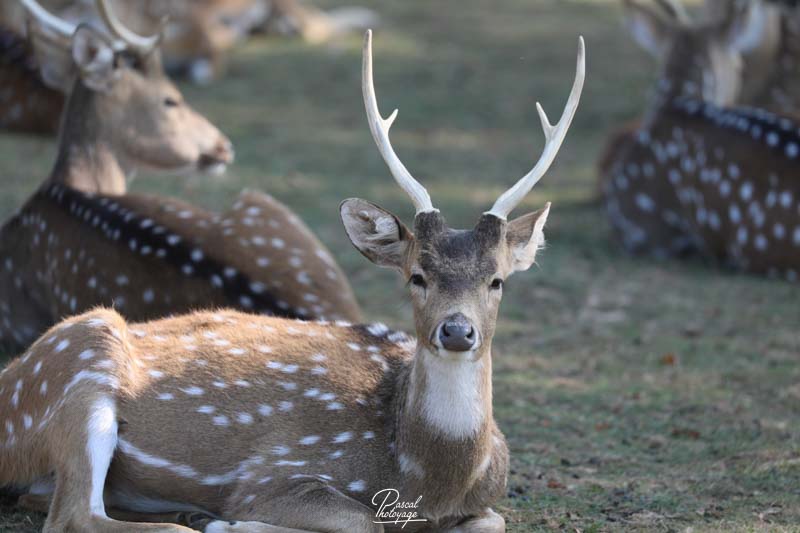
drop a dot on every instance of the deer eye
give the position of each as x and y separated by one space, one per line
496 284
417 280
170 102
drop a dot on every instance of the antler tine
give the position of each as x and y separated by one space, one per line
554 136
48 19
141 44
380 132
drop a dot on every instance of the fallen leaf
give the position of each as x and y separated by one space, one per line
669 359
686 433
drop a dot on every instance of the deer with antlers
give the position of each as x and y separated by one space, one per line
698 177
81 240
280 425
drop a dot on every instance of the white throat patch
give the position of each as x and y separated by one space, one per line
452 400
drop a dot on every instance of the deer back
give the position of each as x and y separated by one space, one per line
152 256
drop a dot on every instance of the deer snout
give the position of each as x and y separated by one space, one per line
457 334
218 157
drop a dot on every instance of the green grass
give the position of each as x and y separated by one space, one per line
635 395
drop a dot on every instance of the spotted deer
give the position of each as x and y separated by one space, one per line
766 77
697 177
281 425
82 240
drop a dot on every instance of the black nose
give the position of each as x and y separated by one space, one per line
457 334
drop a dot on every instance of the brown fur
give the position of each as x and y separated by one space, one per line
27 105
771 73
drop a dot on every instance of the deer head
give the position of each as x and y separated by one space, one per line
699 60
455 276
122 104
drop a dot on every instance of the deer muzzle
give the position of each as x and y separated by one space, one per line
457 334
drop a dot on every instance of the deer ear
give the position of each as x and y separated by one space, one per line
649 29
376 233
52 52
94 57
525 236
749 24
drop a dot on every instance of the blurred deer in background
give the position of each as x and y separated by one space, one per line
771 71
286 424
315 25
199 34
767 75
81 241
698 177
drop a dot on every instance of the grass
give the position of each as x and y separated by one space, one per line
635 395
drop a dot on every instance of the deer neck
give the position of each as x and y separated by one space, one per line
86 160
445 433
682 80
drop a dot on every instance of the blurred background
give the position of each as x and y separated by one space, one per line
636 394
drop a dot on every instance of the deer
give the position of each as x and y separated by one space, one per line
82 240
766 76
269 424
699 178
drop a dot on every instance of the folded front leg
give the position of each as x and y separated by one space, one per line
308 503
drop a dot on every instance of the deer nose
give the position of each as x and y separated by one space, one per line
224 151
457 334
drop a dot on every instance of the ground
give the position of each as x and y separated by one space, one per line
635 395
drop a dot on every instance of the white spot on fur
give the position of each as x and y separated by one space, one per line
342 437
357 486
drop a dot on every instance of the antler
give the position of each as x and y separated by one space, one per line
49 20
554 136
139 43
380 132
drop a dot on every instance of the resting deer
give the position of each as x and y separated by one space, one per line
766 76
272 423
699 177
81 240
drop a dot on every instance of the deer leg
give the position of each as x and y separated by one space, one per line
87 433
488 522
309 504
40 503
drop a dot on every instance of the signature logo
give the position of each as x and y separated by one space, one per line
393 511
